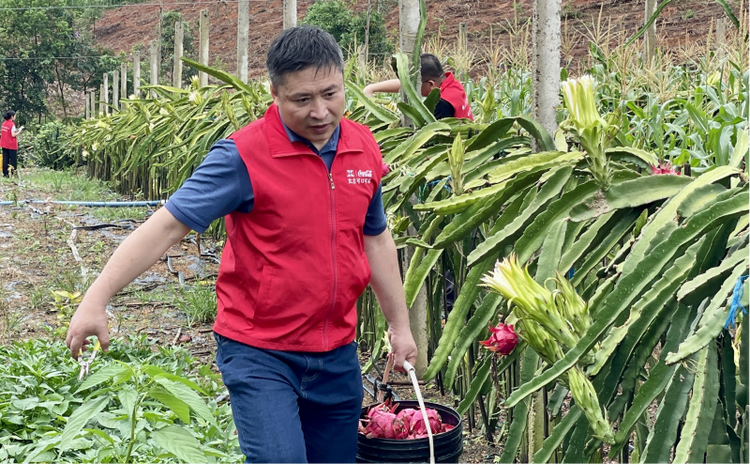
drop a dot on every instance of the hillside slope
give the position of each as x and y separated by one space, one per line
683 22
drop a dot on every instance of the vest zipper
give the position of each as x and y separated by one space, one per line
333 258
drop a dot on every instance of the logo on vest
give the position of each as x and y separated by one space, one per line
359 177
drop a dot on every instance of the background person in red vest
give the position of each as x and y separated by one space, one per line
9 142
306 232
453 101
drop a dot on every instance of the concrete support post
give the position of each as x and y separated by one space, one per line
154 65
721 40
101 101
649 44
546 63
177 69
243 35
463 38
115 89
409 19
408 25
123 84
105 93
203 48
290 13
137 74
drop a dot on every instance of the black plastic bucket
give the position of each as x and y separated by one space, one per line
448 445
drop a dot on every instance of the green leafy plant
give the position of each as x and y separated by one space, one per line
136 405
348 28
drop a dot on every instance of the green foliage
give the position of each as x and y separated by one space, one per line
198 303
348 28
139 404
35 43
47 148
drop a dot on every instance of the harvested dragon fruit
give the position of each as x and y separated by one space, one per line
383 422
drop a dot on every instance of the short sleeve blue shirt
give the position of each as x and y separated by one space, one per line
221 185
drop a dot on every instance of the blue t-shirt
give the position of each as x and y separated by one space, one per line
221 185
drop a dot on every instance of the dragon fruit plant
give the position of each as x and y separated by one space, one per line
551 322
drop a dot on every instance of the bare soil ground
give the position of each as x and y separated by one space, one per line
682 23
39 244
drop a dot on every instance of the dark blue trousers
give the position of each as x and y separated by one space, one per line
293 406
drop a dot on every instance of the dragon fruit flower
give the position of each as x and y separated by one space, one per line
665 167
386 169
502 341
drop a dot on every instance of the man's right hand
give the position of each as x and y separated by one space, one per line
89 319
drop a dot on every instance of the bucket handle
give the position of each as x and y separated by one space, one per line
413 375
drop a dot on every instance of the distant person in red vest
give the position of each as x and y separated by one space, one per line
453 101
9 142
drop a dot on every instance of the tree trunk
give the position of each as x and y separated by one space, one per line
62 92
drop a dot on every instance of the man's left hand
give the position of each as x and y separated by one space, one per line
403 346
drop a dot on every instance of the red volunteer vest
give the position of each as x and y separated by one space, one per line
453 92
293 268
6 136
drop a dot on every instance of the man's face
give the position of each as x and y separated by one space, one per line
427 87
311 102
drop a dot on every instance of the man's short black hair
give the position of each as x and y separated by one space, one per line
300 47
9 115
431 68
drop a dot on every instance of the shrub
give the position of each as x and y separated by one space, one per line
48 148
348 28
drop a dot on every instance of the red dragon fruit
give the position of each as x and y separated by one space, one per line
382 422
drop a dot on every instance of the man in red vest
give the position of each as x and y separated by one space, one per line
453 101
306 232
9 142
